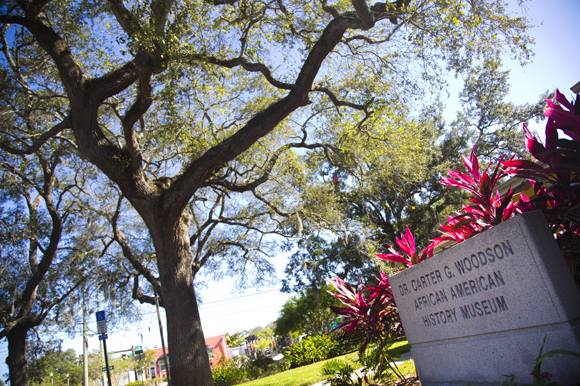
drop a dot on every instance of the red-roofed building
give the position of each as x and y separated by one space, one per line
157 369
217 348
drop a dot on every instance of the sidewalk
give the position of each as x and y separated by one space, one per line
406 356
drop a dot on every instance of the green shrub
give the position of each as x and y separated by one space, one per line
251 371
227 372
310 349
344 344
149 382
380 361
260 366
341 372
283 364
139 383
261 361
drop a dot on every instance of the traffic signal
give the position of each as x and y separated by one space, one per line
124 356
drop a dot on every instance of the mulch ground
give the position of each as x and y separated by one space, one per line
411 380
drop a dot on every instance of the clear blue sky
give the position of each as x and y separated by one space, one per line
555 65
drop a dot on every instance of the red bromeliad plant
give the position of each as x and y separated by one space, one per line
556 179
487 207
370 314
407 244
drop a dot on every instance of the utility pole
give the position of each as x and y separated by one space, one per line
161 331
134 362
85 341
141 364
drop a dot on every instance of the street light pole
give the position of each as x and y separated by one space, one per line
165 353
67 381
51 379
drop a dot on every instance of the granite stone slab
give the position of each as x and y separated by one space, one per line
482 308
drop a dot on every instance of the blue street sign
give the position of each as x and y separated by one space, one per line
101 316
103 337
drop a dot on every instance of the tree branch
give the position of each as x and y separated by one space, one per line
24 322
45 136
221 2
262 123
137 295
243 62
270 205
33 8
363 11
29 293
159 11
330 10
126 19
338 102
127 252
200 228
139 108
266 171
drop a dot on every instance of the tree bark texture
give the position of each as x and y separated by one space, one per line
16 359
189 361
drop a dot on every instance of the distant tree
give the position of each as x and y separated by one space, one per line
37 205
59 363
122 365
307 313
234 340
54 246
95 364
262 332
391 180
317 260
493 125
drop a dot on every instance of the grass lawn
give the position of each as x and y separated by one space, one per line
400 347
309 375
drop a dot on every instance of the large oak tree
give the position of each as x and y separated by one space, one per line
165 97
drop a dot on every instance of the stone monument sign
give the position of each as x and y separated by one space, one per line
480 310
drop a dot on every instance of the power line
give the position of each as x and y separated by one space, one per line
241 312
232 300
239 297
213 317
212 302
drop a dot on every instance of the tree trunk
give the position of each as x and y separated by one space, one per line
16 359
189 362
